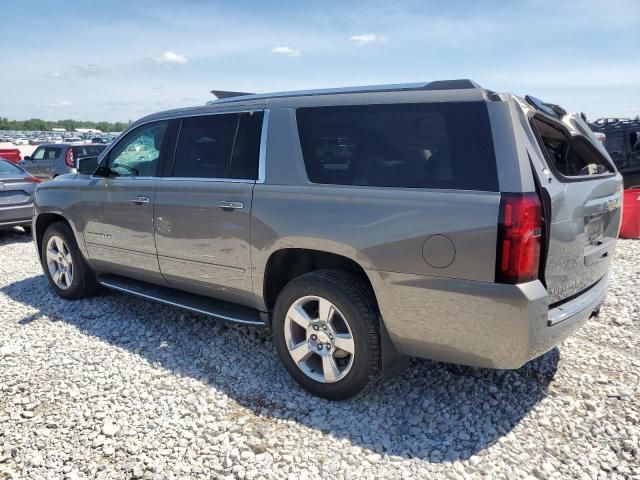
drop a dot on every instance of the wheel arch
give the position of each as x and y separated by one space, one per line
285 264
42 222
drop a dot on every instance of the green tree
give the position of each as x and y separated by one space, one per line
69 124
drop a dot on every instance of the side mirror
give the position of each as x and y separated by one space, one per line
87 165
27 158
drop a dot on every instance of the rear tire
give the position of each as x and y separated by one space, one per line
340 358
64 266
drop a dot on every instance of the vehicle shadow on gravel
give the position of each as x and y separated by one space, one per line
432 411
14 235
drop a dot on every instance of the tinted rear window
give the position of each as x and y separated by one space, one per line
436 145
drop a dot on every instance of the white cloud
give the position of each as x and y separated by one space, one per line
56 75
61 104
171 58
291 52
89 70
366 38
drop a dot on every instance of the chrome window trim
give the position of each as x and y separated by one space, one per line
122 177
204 179
262 157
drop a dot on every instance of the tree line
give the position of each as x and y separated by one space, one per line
69 125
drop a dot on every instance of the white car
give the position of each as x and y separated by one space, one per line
20 141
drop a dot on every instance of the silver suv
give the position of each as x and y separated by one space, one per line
53 159
456 224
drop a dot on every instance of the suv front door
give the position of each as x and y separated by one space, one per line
119 205
203 206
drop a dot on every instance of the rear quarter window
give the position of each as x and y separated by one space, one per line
436 145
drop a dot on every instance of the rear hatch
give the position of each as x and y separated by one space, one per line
581 198
15 191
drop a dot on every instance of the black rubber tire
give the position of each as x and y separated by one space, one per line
356 301
84 282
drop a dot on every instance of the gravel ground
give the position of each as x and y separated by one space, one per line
116 387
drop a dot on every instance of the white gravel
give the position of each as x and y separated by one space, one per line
116 387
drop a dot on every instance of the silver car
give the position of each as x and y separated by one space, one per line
459 225
16 195
53 159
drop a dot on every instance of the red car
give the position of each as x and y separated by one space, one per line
11 154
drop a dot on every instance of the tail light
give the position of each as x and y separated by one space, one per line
32 179
69 158
519 238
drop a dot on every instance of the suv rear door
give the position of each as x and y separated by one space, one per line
581 196
202 210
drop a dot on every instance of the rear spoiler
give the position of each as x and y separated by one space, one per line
550 109
220 94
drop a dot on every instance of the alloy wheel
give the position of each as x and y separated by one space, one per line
319 339
59 262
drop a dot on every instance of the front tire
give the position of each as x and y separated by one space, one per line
326 332
64 266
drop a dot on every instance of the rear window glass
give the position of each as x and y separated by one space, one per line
436 145
7 168
571 157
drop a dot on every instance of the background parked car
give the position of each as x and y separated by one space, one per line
16 195
53 159
622 141
11 154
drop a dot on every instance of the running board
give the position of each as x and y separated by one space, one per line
189 301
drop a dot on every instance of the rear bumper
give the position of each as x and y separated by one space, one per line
16 215
474 323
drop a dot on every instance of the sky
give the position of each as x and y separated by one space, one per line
120 60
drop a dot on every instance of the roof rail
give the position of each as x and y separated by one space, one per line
608 124
435 85
220 94
606 120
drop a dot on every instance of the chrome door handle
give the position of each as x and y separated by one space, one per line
232 205
140 200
